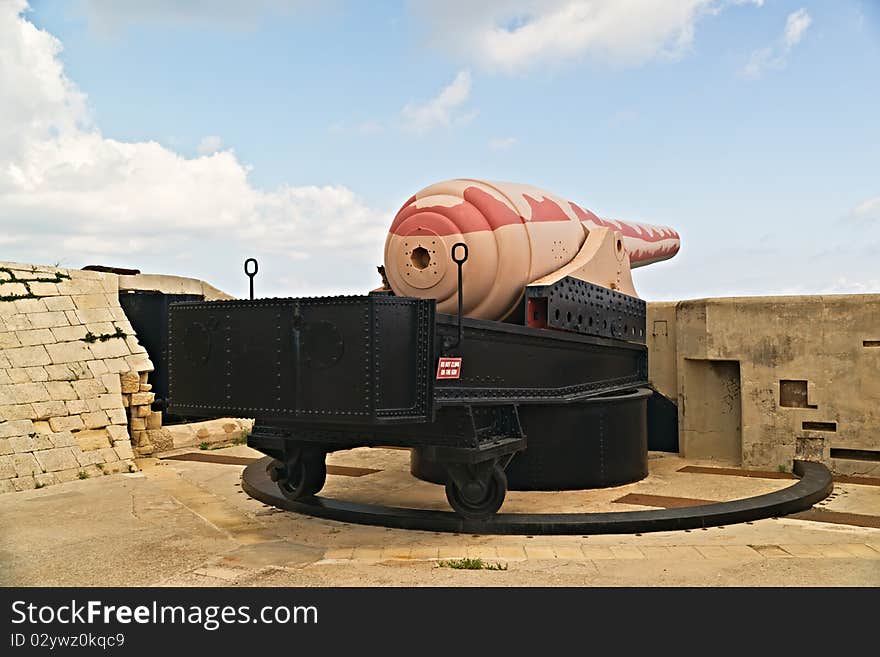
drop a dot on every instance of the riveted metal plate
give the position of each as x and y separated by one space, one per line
504 363
351 359
574 305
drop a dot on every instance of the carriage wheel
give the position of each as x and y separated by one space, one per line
478 499
300 478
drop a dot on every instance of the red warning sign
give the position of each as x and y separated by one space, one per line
449 368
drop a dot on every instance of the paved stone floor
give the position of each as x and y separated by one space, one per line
182 522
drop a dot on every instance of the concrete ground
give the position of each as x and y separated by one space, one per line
188 523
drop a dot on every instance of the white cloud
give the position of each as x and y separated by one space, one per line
762 60
209 145
446 109
67 190
867 210
442 110
775 57
502 143
844 285
796 26
520 35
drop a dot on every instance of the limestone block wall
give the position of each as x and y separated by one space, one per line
145 424
66 351
760 381
221 431
147 433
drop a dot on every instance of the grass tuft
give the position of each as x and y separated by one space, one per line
471 564
103 337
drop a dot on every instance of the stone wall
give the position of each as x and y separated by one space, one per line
760 381
66 350
209 433
147 433
145 424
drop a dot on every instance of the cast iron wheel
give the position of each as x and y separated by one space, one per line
474 501
303 478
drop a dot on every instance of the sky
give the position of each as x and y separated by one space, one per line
181 137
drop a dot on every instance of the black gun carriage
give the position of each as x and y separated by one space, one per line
562 405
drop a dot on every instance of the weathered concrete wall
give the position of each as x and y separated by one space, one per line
661 334
172 285
65 348
711 401
809 378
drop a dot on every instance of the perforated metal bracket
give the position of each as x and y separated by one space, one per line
571 304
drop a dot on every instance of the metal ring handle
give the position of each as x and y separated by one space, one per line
251 274
448 343
459 261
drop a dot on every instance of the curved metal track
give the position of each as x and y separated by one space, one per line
814 485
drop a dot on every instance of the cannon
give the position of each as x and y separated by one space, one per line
516 234
505 348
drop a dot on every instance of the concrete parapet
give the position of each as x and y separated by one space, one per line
760 381
172 285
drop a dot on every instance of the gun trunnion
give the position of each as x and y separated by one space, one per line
552 398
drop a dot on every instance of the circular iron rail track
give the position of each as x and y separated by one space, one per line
815 484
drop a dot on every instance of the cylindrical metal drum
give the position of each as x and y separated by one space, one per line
594 443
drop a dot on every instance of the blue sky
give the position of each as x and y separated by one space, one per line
292 132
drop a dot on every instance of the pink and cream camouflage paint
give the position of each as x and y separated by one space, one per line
515 234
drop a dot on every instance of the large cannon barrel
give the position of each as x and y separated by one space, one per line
515 235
